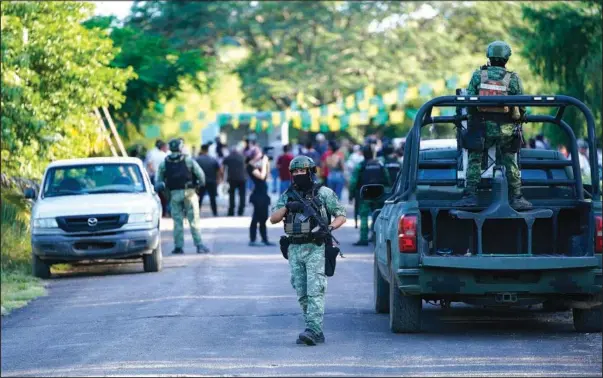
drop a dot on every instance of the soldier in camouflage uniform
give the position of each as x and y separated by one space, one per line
181 175
494 79
361 176
306 252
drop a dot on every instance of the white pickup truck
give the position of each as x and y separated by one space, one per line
95 209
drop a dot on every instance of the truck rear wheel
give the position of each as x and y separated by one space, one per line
154 261
587 320
39 267
404 310
381 290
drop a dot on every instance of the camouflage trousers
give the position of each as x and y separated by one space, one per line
185 202
365 209
503 137
307 263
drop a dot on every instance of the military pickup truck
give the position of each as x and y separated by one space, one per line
489 255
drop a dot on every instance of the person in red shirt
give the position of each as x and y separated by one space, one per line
282 164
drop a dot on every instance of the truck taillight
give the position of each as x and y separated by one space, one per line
598 234
407 234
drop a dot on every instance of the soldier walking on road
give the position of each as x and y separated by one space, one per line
181 175
306 250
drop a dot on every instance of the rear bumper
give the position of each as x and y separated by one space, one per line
575 276
87 247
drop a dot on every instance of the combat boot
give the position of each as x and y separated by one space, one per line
520 203
177 251
310 337
201 248
468 200
320 339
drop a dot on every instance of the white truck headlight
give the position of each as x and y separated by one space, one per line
141 218
45 223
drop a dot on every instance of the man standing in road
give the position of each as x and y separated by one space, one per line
181 175
213 174
306 250
234 171
154 157
370 171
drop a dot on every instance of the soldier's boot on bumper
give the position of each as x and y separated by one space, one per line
469 199
310 337
520 203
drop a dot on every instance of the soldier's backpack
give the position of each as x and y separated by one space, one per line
373 172
490 87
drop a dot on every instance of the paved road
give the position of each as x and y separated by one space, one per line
234 312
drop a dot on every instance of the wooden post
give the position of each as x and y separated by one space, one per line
114 130
104 131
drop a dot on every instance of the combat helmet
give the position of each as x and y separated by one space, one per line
176 145
498 49
302 162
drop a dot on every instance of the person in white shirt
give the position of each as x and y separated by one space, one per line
583 160
155 157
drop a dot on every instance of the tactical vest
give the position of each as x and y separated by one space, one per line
373 172
296 224
393 167
491 87
177 174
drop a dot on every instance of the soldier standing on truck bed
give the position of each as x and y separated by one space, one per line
307 249
370 171
181 175
494 126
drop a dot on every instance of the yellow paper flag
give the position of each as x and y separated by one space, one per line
354 119
349 101
235 121
439 86
296 119
369 92
396 116
390 98
252 123
373 110
276 118
412 93
334 124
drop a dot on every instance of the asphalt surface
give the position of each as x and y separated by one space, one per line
234 313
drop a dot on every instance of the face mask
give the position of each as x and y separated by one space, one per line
303 182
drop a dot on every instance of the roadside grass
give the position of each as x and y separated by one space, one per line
18 286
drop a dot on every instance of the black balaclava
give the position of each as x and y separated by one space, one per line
303 182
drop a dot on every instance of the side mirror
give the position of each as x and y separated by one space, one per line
372 191
30 193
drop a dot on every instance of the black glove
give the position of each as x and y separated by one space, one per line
321 234
294 206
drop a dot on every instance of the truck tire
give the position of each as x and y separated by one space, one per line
154 261
404 310
39 267
381 290
587 320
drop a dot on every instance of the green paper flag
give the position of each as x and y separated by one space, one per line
152 132
186 126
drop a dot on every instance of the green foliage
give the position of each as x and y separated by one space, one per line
563 45
54 73
162 67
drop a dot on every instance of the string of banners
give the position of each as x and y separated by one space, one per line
360 108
